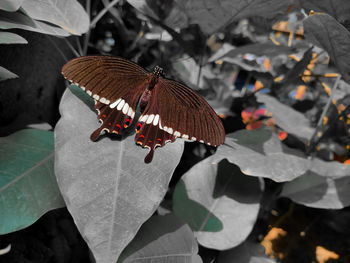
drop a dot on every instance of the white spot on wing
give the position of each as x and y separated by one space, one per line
125 108
156 119
112 106
133 114
144 118
121 105
96 97
170 130
177 134
201 141
89 92
130 111
185 136
150 118
83 88
103 100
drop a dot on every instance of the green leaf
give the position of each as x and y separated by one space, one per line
324 31
10 5
21 21
218 202
77 91
108 188
28 186
68 14
213 15
11 38
6 74
162 239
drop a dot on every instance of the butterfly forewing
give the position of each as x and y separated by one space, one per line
169 109
115 84
104 78
183 113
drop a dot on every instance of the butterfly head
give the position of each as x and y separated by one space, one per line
158 71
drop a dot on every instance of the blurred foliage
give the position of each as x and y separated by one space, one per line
278 76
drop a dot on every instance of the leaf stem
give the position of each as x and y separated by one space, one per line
87 35
102 13
58 49
80 50
76 53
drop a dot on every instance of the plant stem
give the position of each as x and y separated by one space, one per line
87 35
102 12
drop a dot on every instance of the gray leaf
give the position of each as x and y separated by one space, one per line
108 188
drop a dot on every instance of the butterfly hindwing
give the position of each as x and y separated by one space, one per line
150 136
118 115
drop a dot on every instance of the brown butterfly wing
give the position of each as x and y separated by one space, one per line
189 114
104 78
115 84
175 110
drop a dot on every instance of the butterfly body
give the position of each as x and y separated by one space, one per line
169 109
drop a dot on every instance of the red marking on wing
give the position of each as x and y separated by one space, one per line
147 137
113 122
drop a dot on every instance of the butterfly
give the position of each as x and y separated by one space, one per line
169 109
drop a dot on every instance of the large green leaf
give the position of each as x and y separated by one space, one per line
10 5
6 74
28 186
11 38
21 21
218 202
68 14
108 188
326 32
162 239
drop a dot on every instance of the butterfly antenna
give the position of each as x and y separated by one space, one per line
161 51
